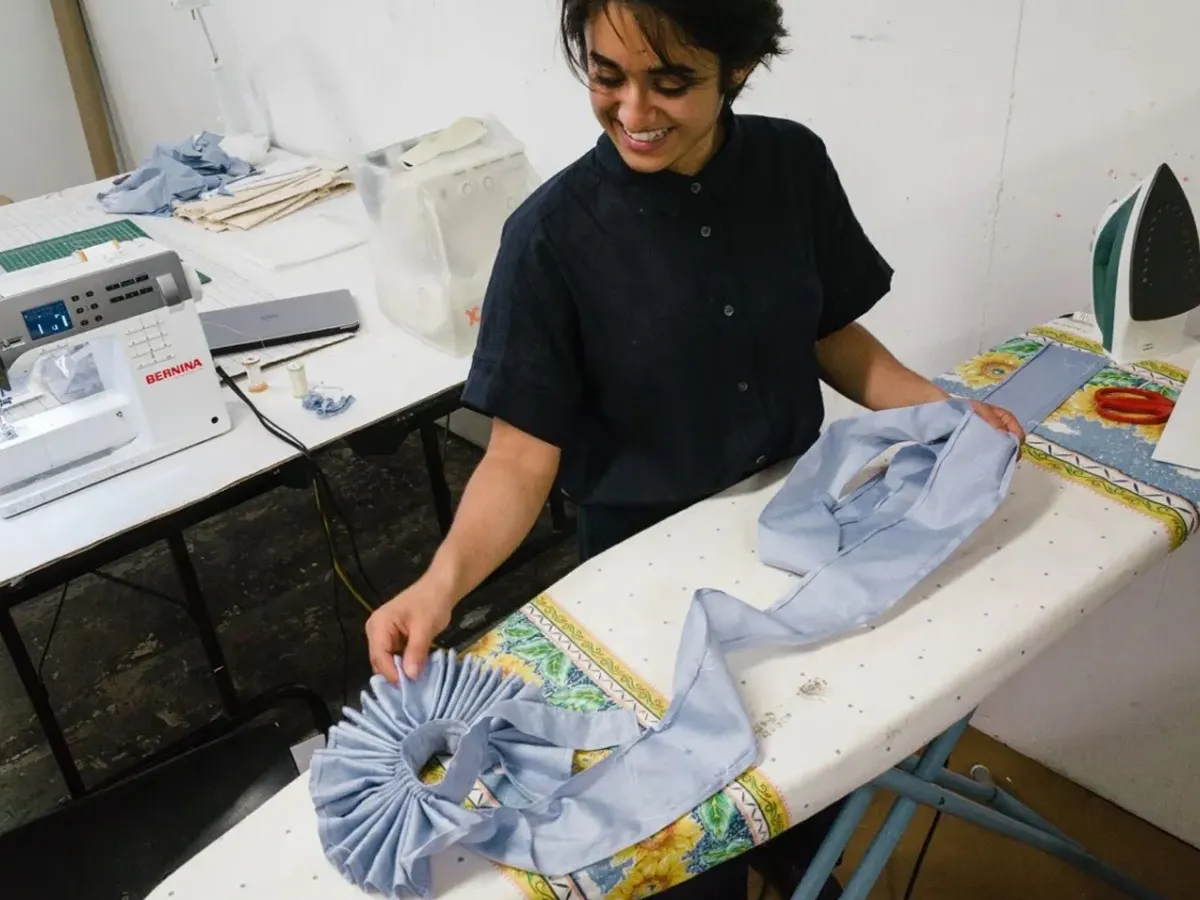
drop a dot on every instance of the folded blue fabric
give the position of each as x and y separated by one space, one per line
174 172
859 551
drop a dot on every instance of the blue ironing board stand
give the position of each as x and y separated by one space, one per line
925 780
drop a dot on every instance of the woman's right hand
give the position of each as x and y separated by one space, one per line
407 625
500 505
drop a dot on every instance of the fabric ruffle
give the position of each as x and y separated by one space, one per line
379 823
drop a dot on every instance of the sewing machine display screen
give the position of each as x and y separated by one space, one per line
47 320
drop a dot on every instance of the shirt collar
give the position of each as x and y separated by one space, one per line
715 179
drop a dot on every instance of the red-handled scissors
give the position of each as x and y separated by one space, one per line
1133 406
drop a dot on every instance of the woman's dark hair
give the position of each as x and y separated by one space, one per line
742 33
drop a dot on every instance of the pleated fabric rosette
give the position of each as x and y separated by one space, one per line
379 823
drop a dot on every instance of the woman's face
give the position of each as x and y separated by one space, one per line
658 117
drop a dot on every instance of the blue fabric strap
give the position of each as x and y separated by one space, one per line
1045 382
859 552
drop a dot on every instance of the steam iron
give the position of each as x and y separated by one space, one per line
1146 270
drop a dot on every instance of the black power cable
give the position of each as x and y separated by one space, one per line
912 879
325 498
326 494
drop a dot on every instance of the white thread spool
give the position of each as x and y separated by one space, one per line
299 380
255 382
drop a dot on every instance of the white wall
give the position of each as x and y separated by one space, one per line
979 141
42 147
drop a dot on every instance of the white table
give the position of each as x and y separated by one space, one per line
386 369
831 719
389 373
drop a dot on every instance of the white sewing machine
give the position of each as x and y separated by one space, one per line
118 324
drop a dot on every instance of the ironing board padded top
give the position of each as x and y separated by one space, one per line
828 719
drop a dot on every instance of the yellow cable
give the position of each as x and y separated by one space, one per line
437 645
337 568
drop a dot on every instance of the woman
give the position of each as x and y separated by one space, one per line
660 315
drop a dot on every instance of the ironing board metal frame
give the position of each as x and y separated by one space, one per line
924 780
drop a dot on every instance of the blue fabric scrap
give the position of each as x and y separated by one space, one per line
326 404
174 173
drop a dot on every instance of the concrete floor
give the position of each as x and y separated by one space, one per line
127 675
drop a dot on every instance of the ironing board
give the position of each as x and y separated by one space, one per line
831 720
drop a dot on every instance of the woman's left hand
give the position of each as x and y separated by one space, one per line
1000 419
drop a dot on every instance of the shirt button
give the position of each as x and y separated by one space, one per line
760 460
696 187
705 231
743 387
728 309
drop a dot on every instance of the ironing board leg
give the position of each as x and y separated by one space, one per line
844 826
925 780
932 761
992 796
921 790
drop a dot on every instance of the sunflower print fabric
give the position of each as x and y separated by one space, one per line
543 645
1076 442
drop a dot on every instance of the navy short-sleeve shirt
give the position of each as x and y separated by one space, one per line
661 329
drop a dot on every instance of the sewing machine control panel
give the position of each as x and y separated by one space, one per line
40 308
148 344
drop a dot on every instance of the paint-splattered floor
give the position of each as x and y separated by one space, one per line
126 672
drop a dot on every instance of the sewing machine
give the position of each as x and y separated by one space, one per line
117 324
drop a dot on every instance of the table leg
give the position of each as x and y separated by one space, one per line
194 599
437 476
40 698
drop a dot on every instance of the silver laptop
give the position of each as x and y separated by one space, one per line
259 325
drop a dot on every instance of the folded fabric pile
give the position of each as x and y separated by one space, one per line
174 173
269 196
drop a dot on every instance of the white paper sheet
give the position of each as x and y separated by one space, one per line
1180 442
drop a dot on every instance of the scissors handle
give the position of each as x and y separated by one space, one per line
1133 406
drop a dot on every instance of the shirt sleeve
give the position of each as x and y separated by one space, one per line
854 276
525 368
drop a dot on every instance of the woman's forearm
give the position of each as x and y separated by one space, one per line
856 365
501 504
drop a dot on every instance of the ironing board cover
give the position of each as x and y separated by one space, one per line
855 717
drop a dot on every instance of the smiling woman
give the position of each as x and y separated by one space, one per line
661 72
656 328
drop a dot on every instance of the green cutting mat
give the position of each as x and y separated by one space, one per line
61 247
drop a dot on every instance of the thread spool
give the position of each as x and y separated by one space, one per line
299 380
255 382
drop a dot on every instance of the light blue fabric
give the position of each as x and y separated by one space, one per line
379 823
174 172
1040 386
860 553
326 403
